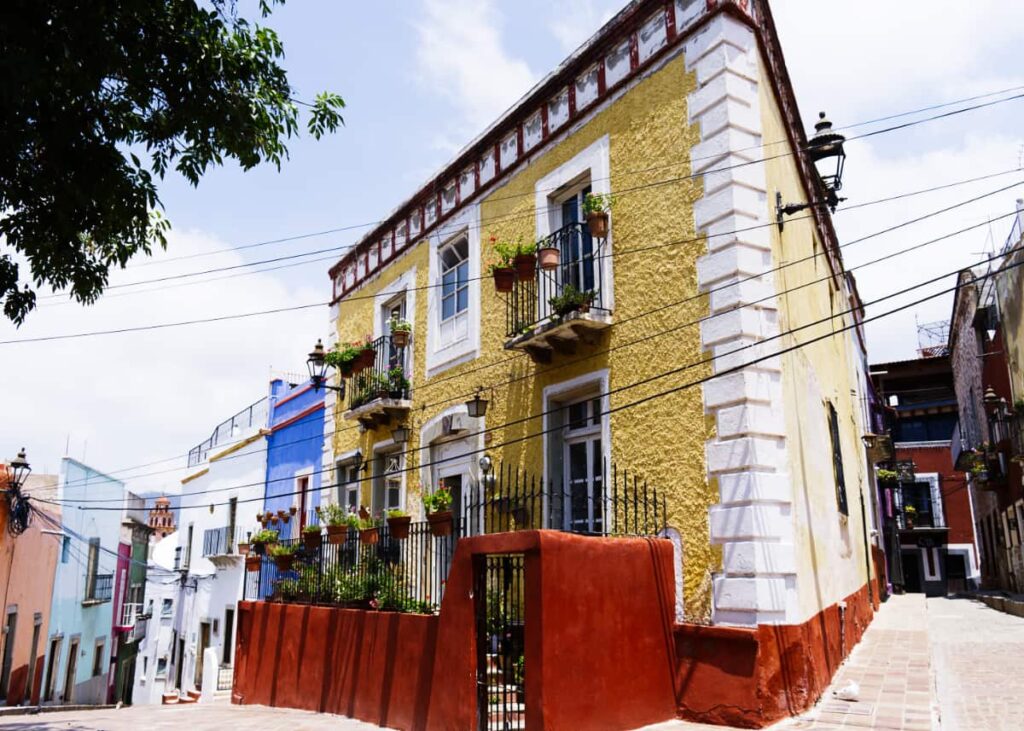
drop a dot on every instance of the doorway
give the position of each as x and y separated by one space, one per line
500 608
180 665
204 642
10 637
912 571
72 670
31 681
583 467
52 663
229 634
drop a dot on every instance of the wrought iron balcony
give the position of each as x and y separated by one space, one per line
384 389
222 542
558 308
99 588
130 613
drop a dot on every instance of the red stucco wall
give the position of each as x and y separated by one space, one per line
956 504
599 647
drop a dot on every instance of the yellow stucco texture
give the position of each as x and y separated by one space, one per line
830 556
661 440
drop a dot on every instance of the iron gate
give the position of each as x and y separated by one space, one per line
500 641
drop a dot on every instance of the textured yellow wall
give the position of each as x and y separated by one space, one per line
662 440
829 548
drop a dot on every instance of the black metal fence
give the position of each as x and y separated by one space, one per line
548 294
499 588
405 569
386 378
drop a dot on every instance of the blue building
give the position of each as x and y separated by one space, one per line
81 641
294 452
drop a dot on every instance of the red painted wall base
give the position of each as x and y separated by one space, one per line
753 677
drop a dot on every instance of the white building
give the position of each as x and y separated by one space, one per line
156 652
221 497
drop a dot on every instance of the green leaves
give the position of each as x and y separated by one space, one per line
103 99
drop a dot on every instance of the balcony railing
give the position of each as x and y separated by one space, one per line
409 573
253 416
222 541
99 588
130 612
559 304
386 380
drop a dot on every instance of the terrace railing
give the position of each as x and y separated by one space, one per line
254 415
580 268
99 588
409 573
386 378
222 541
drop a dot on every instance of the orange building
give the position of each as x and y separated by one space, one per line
27 565
161 518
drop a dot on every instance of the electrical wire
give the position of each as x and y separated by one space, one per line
683 301
718 374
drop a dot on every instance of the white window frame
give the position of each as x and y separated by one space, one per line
306 472
451 244
590 163
440 357
558 393
383 449
403 285
344 463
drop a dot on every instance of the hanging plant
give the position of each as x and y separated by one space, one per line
595 208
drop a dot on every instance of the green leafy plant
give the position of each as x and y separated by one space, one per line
343 354
885 475
439 500
910 510
264 536
281 549
333 513
312 529
399 325
397 513
597 203
570 299
397 380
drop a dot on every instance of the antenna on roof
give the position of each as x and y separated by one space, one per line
932 338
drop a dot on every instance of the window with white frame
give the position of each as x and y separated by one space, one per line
454 267
348 485
387 493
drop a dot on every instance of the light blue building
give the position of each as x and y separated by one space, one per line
81 642
294 452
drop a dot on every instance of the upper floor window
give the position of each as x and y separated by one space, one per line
348 485
837 460
454 267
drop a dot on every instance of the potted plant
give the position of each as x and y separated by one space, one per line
400 330
243 548
595 208
286 589
344 358
337 519
398 524
571 300
398 384
262 539
382 385
284 556
887 476
525 261
979 470
438 504
502 269
369 531
367 355
548 256
910 513
252 563
311 537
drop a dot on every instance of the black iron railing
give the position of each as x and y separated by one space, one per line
408 573
549 294
253 415
387 378
99 588
222 541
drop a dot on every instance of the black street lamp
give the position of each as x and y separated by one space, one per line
477 406
317 365
18 471
400 434
829 157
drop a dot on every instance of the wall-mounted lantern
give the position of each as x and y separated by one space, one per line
477 406
827 153
317 365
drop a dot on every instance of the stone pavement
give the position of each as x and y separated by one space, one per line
217 716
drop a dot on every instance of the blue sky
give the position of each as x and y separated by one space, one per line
423 77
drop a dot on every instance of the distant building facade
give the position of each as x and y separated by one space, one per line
161 518
130 618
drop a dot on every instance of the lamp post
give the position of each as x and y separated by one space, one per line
19 511
18 472
317 365
826 151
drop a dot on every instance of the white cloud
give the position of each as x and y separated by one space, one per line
461 54
124 400
573 21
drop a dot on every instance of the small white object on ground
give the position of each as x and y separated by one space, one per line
849 692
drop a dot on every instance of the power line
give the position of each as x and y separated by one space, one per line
710 291
644 381
532 214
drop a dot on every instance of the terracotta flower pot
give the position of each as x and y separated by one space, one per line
504 279
243 549
550 257
597 222
252 563
440 523
367 358
312 540
369 536
336 534
399 527
284 563
526 267
400 338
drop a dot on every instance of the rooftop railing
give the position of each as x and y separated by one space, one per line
231 429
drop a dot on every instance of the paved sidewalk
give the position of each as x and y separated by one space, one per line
216 716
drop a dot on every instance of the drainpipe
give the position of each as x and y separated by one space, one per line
867 551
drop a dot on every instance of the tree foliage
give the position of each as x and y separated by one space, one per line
101 98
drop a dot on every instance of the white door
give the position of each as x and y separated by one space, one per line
584 503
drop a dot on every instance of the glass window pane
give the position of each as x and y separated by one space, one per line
595 411
463 300
448 283
447 307
578 415
462 273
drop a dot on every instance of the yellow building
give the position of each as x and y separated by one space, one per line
685 116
